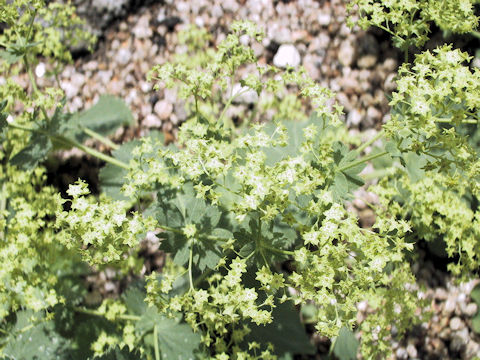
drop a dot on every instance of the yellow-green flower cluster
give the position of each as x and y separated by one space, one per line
408 21
29 251
101 231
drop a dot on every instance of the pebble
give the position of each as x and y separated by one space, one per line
40 69
247 96
346 53
471 309
472 349
152 121
324 19
412 351
401 353
456 324
373 114
459 340
142 29
287 55
366 61
163 109
123 56
354 117
449 306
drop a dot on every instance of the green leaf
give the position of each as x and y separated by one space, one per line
346 345
286 332
476 323
295 139
475 294
34 339
178 209
175 340
9 56
134 297
36 151
345 181
104 117
3 116
119 354
113 177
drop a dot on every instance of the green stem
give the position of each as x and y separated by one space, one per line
466 121
104 140
476 34
155 343
377 174
3 206
278 251
94 152
33 81
227 105
97 313
200 236
70 142
361 161
190 261
370 142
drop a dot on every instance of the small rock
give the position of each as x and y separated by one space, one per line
142 28
69 89
287 55
319 43
449 306
456 324
123 56
324 19
181 111
354 117
472 349
152 121
367 61
476 62
401 353
471 309
40 69
310 63
110 286
373 114
246 95
459 340
346 53
441 294
163 109
230 5
412 351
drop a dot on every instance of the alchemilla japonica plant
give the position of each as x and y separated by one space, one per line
251 214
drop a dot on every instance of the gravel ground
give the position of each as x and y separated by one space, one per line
359 66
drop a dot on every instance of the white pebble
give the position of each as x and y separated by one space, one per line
287 55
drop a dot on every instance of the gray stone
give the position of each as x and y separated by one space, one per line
346 53
354 117
246 95
142 29
456 323
459 340
123 56
367 61
412 351
287 55
152 121
471 309
163 109
324 19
